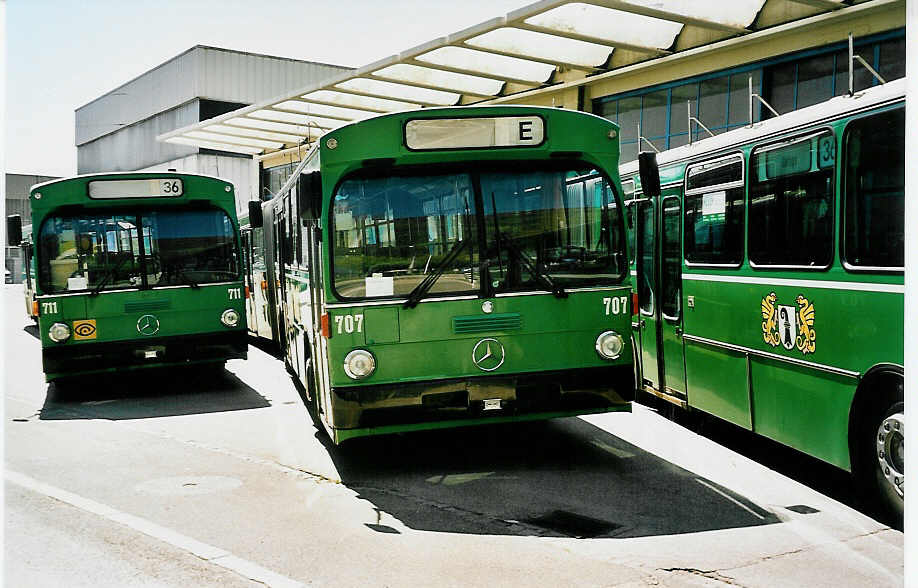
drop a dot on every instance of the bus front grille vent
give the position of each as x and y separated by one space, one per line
147 305
480 324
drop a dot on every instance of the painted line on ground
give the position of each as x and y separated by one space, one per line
209 553
730 498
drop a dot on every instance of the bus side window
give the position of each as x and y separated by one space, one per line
874 195
714 212
791 202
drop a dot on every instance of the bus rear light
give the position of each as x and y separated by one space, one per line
248 293
35 308
634 304
264 285
326 331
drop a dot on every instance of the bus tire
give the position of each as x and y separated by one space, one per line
877 450
888 471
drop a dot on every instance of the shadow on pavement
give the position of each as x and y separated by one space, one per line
149 394
560 478
823 477
32 329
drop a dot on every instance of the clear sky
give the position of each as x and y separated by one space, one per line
61 54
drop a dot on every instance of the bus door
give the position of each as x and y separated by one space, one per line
280 278
659 256
248 262
646 289
670 324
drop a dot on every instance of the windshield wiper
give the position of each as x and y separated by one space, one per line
108 274
427 283
541 277
187 279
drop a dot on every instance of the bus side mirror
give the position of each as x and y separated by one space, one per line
309 189
650 174
14 230
256 220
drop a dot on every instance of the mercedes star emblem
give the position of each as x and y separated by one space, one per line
488 354
148 325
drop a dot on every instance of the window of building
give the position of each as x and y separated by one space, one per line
721 101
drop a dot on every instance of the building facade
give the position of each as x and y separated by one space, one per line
17 202
117 131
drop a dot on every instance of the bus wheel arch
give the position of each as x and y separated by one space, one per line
876 437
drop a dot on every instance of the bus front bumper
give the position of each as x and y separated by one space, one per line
367 410
86 358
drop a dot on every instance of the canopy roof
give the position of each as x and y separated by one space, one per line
537 46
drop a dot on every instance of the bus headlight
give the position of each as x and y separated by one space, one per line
230 317
59 332
609 345
359 364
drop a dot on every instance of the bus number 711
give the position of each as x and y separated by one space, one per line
615 305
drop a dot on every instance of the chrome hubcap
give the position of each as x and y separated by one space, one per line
891 451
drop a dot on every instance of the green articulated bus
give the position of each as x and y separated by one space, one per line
450 267
769 274
135 270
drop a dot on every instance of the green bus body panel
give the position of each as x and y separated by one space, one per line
555 334
187 311
802 407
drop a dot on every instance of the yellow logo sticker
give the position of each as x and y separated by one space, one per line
789 326
84 329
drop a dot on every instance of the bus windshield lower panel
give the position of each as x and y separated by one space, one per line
109 251
556 227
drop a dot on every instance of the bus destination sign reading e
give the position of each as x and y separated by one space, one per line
431 134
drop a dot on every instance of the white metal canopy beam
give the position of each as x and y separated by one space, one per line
525 50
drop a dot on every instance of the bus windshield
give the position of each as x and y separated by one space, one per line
545 228
108 250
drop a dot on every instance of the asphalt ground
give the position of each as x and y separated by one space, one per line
187 478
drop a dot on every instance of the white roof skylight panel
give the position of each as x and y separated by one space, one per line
244 141
183 140
354 101
502 66
467 84
254 123
543 46
323 110
735 13
297 119
245 132
610 26
396 91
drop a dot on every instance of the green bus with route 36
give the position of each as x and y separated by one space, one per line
135 270
768 264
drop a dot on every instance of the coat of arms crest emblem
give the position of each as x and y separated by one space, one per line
787 325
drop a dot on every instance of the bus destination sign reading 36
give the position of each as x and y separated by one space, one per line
152 188
474 133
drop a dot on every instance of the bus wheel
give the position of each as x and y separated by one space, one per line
889 458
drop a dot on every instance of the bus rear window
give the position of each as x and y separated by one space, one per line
874 232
